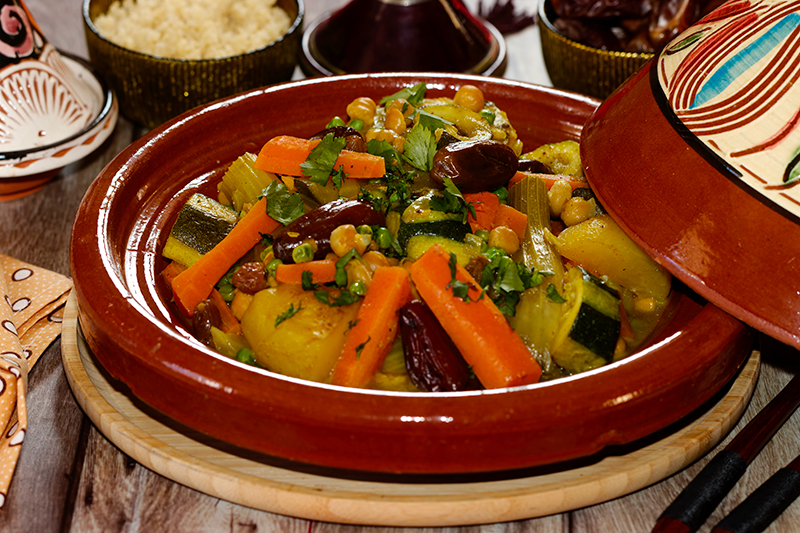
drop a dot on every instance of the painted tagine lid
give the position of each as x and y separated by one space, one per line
697 156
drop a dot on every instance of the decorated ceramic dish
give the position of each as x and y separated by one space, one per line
711 158
138 334
54 109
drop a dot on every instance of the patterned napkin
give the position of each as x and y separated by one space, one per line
30 319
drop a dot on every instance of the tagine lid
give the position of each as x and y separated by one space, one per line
697 157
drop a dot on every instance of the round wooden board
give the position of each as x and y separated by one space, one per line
265 483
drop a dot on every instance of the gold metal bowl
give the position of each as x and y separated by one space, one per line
576 67
152 90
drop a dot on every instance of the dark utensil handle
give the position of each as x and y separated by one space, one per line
702 495
765 504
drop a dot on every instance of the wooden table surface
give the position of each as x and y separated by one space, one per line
71 478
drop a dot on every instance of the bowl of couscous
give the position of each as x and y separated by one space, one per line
165 57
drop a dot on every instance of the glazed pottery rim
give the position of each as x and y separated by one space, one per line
548 24
311 57
384 416
293 28
104 111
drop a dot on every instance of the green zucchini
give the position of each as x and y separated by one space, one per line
201 224
591 323
419 244
455 230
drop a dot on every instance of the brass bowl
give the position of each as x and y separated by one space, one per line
576 67
152 90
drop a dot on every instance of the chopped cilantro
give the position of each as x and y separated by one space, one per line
282 204
552 294
308 281
419 148
431 122
360 347
459 288
452 201
341 275
318 166
488 115
413 95
289 313
344 298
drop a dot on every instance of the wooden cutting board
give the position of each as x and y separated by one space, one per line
269 484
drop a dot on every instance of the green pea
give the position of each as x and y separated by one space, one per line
358 288
357 124
336 121
302 253
245 355
383 237
483 234
227 292
272 266
364 230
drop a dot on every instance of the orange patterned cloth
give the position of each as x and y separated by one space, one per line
30 320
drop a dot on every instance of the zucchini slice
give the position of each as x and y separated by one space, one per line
201 224
454 230
419 244
591 323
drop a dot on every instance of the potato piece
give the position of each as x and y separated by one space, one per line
601 247
306 345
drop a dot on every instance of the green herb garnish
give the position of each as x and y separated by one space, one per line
318 166
289 313
282 204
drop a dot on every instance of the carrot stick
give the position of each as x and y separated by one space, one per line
485 204
510 217
375 329
229 323
284 154
497 355
194 284
322 271
549 179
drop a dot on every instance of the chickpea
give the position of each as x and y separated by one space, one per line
402 105
620 348
375 259
576 210
470 97
395 121
560 192
345 237
389 136
505 238
358 270
644 305
362 109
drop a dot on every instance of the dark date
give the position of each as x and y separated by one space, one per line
318 224
205 316
433 361
352 138
475 166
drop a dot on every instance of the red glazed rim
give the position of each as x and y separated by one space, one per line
712 233
115 256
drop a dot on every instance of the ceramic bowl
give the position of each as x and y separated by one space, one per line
710 157
414 35
154 89
54 108
135 332
576 67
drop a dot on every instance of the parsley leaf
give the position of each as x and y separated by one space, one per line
413 95
452 201
419 148
341 275
282 204
459 288
552 294
431 121
308 281
289 313
344 298
318 166
360 347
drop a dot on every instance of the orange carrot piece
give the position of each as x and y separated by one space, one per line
516 220
496 353
229 323
322 271
284 154
485 204
171 271
194 284
375 329
549 179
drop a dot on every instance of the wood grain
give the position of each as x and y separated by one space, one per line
251 480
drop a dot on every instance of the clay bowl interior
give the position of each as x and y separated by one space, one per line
154 89
137 335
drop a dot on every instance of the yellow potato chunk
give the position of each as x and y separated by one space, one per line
601 247
304 345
